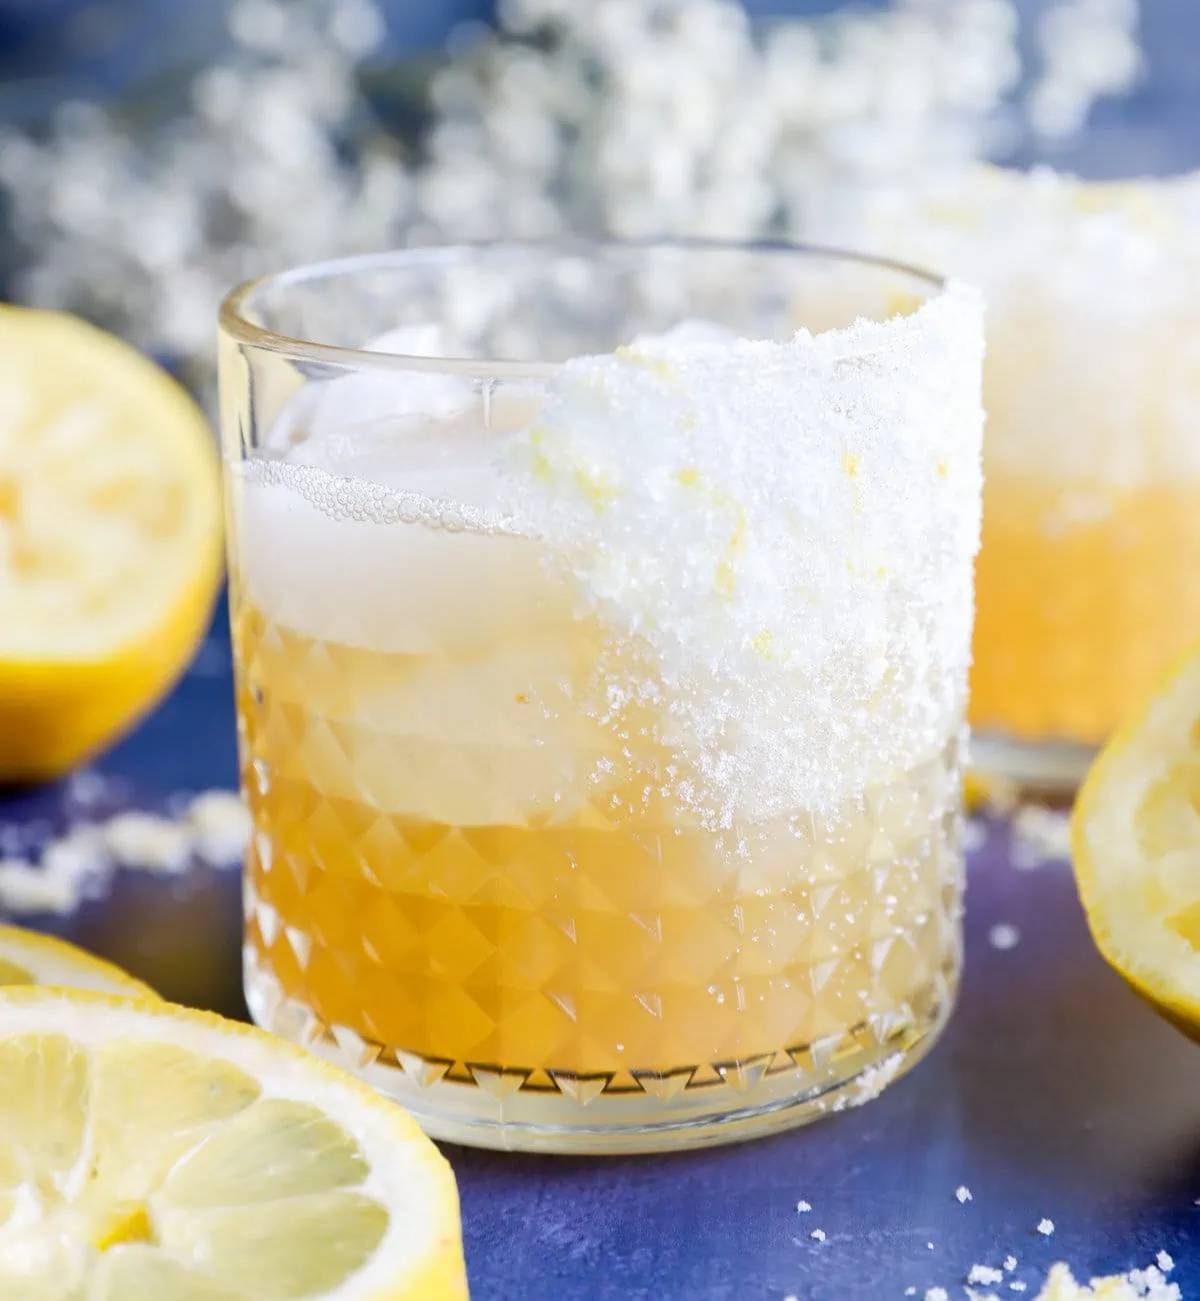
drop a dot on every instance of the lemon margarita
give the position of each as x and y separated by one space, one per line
600 721
1088 580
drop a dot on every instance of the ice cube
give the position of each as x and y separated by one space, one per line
329 408
348 561
366 395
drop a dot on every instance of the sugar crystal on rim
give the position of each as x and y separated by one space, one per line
785 531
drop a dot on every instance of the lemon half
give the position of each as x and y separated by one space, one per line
29 958
109 538
152 1153
1136 846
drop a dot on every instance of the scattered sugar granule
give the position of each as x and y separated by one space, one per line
86 788
24 839
148 841
1149 1283
910 1290
74 856
985 1274
215 826
1040 836
929 1246
974 835
28 889
1017 1286
963 1193
1045 1227
1004 936
817 1235
1165 1261
69 864
220 823
1010 1262
872 1082
791 1296
803 1207
936 1294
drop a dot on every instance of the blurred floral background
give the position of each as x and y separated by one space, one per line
152 153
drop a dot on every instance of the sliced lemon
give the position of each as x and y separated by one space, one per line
109 538
29 958
1136 844
153 1153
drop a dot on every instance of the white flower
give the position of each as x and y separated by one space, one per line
636 117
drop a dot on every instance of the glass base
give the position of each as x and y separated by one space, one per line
486 1105
1044 768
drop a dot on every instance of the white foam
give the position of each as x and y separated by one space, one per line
1093 370
352 560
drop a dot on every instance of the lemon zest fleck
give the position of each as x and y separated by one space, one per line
595 487
724 580
655 365
763 644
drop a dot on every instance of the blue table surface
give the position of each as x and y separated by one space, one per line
1054 1092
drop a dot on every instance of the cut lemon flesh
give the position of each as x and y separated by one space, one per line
109 537
29 958
149 1151
1136 842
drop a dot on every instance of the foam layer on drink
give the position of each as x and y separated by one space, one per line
741 567
1093 369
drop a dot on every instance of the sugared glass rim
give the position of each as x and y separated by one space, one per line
235 314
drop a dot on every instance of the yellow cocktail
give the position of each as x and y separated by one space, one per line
601 723
1088 581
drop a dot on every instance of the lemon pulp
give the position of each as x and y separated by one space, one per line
1136 839
152 1152
30 958
109 537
